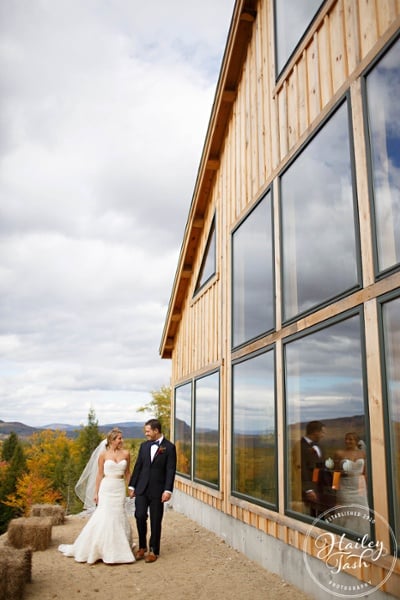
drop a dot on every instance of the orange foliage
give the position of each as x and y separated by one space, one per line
32 489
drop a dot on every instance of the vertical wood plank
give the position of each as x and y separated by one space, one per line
368 25
352 34
338 50
253 115
292 109
377 428
260 123
248 172
242 164
303 119
314 99
364 205
272 108
325 61
283 127
387 12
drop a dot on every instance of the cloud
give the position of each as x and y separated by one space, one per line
103 113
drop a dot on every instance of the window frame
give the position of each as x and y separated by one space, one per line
389 449
279 72
346 98
235 493
378 273
212 233
216 486
357 310
177 387
267 191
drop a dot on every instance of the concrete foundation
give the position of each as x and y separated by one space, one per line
274 555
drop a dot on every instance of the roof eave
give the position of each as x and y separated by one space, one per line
238 39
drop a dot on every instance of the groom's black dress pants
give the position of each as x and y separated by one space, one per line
144 504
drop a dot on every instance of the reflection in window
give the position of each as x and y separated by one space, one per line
324 384
183 428
292 19
318 237
254 435
391 333
383 91
207 269
253 288
206 437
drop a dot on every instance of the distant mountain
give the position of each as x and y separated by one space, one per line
130 429
19 428
61 426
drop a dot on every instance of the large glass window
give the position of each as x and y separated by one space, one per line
183 428
206 434
253 281
327 441
318 220
207 269
391 335
383 107
254 429
292 18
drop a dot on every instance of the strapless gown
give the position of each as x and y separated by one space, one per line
107 536
353 491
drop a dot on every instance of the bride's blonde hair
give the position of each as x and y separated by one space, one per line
111 435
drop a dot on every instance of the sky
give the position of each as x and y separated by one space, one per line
104 108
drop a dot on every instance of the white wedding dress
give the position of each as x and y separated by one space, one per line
353 492
107 536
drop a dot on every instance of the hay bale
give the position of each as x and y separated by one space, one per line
3 580
54 511
33 532
15 572
18 556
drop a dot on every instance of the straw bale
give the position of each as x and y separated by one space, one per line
3 580
15 572
55 511
33 532
20 556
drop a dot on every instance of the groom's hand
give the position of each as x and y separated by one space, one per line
131 493
166 496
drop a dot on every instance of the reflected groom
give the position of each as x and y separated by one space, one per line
151 485
312 459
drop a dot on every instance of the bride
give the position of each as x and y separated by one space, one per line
351 462
107 536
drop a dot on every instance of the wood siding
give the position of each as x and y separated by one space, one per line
268 122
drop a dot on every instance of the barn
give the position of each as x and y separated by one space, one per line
283 326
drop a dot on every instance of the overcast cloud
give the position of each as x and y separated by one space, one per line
104 107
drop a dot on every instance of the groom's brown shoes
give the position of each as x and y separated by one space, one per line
140 554
150 557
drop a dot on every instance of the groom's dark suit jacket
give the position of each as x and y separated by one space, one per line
153 478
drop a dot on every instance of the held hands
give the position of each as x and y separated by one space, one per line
131 493
311 496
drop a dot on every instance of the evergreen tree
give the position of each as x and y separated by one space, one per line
14 456
9 445
88 439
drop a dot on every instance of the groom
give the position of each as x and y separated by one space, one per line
151 485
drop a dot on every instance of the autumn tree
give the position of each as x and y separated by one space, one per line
160 407
32 489
49 456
